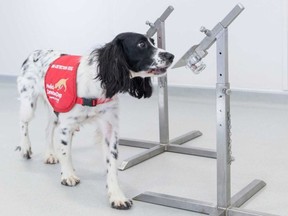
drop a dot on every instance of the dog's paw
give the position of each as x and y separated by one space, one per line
25 152
51 159
70 181
121 203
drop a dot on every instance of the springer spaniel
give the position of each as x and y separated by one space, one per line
126 64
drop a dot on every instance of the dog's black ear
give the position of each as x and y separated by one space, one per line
113 71
141 87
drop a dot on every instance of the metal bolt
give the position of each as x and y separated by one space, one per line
226 91
150 24
205 31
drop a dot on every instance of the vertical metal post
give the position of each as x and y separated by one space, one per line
223 122
163 93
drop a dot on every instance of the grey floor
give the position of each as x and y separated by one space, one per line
259 144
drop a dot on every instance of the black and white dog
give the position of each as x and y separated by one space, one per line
123 65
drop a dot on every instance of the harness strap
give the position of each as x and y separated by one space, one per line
92 102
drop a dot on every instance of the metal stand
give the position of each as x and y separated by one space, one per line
165 145
225 204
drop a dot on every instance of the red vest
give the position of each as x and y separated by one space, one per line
60 85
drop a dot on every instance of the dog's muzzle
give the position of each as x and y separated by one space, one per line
167 57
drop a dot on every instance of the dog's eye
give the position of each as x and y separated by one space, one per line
141 44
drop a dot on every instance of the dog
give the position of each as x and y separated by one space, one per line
124 65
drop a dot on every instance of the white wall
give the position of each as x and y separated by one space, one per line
257 38
67 25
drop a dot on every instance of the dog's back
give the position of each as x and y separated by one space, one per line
30 82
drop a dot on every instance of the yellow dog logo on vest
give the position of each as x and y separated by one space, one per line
60 84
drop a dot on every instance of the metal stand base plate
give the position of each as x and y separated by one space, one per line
208 208
156 149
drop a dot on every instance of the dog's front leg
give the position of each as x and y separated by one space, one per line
64 141
116 196
50 156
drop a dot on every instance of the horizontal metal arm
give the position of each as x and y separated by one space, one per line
156 25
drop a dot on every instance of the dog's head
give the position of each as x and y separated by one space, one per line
143 58
127 63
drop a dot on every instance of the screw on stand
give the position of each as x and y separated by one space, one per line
205 31
150 24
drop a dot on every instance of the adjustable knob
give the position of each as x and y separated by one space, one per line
227 91
149 23
205 31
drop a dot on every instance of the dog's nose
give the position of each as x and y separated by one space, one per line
167 56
